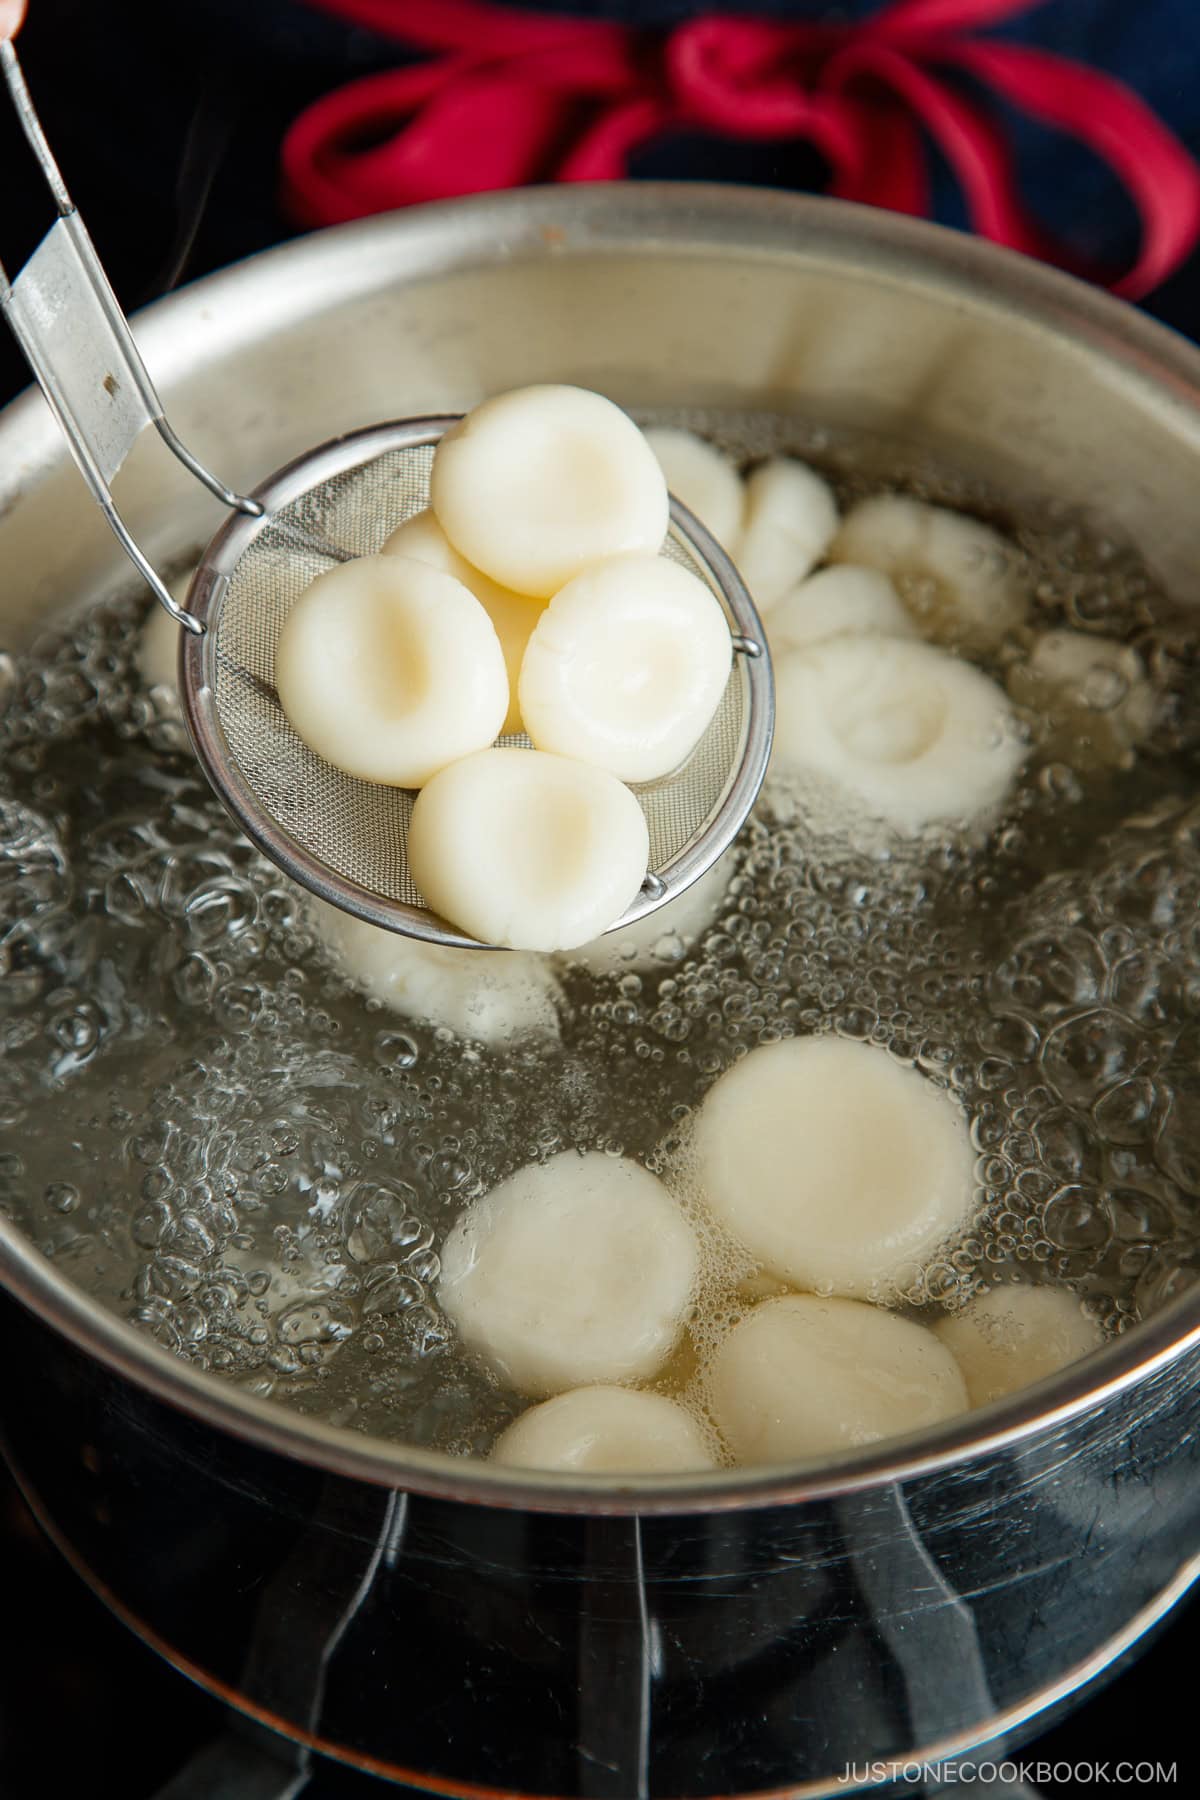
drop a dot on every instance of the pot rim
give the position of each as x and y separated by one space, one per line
551 222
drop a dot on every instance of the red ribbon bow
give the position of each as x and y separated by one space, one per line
510 97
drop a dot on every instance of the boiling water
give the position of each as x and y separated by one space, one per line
208 1129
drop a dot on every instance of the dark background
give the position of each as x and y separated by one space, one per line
166 119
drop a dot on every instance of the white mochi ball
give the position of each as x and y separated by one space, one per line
1011 1336
836 1167
490 999
802 1376
1097 701
910 734
789 522
606 1431
626 667
842 601
535 484
527 850
704 478
571 1272
390 670
964 583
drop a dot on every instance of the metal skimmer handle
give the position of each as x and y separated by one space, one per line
63 313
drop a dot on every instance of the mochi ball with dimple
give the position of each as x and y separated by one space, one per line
910 734
390 670
534 485
626 667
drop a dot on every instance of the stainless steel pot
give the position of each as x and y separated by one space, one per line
468 1629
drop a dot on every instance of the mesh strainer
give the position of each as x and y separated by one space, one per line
343 838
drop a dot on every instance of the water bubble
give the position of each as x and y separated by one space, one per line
156 1183
1164 1278
449 1170
187 871
237 1008
126 897
1077 1219
1067 1147
394 1294
1047 972
424 1266
220 909
395 1050
381 1219
1139 1217
77 1028
314 1322
1126 1114
195 980
1093 1051
151 1225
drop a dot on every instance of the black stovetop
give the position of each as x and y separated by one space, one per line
171 150
86 1708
